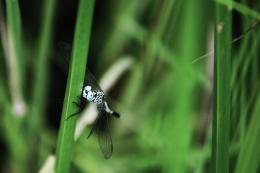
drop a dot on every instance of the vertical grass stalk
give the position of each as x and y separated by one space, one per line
13 57
179 125
11 124
74 85
41 67
222 90
40 82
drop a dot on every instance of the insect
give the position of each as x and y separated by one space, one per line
92 93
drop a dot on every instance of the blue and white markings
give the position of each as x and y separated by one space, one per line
93 96
87 93
97 97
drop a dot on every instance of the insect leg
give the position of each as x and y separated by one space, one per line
74 114
91 131
78 104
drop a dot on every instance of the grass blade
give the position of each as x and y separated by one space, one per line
13 56
41 68
74 84
13 134
222 91
39 93
249 156
182 88
243 9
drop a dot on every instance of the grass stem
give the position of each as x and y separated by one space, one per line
222 90
74 85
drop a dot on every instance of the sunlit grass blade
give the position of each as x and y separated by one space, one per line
74 85
15 109
13 57
222 90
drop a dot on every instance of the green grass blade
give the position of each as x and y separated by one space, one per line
11 124
243 9
117 40
41 67
222 90
17 148
13 56
179 124
74 85
14 27
156 35
3 32
11 129
249 156
41 79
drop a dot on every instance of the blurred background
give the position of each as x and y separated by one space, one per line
154 59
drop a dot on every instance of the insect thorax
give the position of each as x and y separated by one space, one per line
94 96
98 97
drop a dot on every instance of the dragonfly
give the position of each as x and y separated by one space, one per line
92 93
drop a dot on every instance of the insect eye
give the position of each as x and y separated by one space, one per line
85 93
87 88
90 96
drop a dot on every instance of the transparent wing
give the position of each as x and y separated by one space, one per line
65 51
91 80
100 128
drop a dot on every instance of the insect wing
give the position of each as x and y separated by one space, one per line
100 128
65 51
91 80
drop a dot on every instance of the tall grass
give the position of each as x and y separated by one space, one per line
39 93
179 124
222 90
15 64
15 108
75 81
38 102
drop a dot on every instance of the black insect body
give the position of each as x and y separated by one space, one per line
92 93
